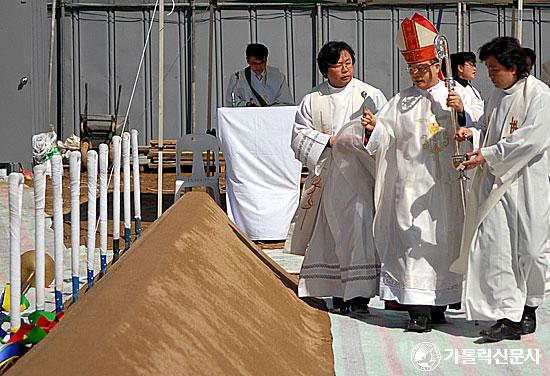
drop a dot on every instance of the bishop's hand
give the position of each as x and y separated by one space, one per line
454 101
463 134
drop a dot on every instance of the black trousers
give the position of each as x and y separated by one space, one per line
424 310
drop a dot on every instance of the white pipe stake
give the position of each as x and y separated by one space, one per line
103 167
15 182
92 193
116 197
57 191
39 234
126 186
137 189
74 164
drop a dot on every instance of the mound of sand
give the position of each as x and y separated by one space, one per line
192 296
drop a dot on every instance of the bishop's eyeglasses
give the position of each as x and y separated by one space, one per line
420 68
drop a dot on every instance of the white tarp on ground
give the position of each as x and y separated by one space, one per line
262 175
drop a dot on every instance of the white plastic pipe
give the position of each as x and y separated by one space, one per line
103 167
116 197
74 169
126 187
57 191
39 234
15 182
137 189
92 193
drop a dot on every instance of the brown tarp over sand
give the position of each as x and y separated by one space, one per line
192 296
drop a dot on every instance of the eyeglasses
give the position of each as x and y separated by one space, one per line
339 66
421 68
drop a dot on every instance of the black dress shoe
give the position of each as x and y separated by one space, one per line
359 305
339 306
420 324
438 315
456 306
529 320
439 318
503 329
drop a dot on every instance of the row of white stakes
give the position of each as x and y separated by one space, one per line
16 181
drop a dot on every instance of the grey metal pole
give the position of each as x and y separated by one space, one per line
50 67
460 30
210 62
319 30
514 15
193 69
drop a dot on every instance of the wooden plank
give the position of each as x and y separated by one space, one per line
186 155
164 143
143 150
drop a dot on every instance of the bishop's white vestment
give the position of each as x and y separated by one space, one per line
419 214
332 225
507 226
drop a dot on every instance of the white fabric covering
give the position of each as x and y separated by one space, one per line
15 181
39 233
262 175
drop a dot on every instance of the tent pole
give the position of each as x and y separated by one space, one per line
210 60
460 30
519 26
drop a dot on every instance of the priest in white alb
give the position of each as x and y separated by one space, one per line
333 223
506 230
419 211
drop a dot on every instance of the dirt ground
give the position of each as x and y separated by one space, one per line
198 299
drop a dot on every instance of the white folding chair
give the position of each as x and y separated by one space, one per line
197 144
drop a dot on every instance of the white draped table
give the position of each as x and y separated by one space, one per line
262 175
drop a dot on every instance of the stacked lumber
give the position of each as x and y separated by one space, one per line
168 155
169 159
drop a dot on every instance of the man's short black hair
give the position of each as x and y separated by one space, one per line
460 58
257 50
530 53
330 54
508 52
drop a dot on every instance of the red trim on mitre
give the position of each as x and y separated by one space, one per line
414 53
419 55
409 34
